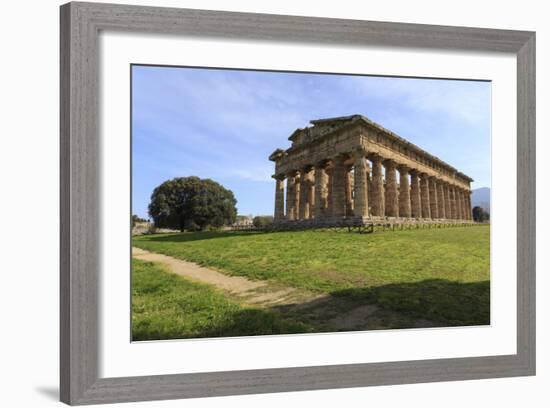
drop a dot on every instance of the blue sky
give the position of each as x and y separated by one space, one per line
223 124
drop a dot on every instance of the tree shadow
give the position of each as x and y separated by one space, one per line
442 301
200 236
243 322
424 304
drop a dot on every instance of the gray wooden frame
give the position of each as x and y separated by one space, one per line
80 25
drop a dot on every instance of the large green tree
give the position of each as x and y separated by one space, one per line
192 203
479 214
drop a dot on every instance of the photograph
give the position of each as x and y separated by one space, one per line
279 202
275 204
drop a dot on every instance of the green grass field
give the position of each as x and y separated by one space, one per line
441 275
166 306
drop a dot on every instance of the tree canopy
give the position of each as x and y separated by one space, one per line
261 221
480 215
192 203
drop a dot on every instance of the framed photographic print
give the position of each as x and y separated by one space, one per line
259 203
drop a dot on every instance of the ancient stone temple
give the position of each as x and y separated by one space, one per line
352 169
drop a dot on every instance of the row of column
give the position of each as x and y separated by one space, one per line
335 188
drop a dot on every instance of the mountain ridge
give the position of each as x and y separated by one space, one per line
481 197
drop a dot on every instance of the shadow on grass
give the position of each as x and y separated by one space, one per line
199 236
244 322
428 303
439 300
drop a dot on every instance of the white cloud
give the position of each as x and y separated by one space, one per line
253 173
464 101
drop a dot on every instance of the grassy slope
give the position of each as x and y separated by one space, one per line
437 274
166 306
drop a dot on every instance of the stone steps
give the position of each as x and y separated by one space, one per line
364 224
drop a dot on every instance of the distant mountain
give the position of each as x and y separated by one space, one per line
481 197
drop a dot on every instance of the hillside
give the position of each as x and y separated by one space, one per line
482 197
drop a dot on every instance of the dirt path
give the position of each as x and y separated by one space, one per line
248 291
323 309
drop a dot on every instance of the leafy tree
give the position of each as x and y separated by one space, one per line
192 203
479 214
261 221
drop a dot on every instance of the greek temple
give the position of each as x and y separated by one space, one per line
351 169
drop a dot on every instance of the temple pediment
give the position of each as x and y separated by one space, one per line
319 128
346 134
276 155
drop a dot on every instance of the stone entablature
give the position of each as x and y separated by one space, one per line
328 174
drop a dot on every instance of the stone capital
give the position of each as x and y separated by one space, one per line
403 168
375 158
307 168
358 153
279 177
322 164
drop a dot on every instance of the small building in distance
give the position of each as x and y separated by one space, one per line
243 221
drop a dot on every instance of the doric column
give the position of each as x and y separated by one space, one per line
469 204
377 197
440 199
349 191
448 213
311 193
328 211
321 190
305 192
279 198
434 204
467 210
459 203
369 187
291 196
391 193
338 196
361 199
416 210
452 194
465 206
404 192
458 200
425 196
462 208
297 196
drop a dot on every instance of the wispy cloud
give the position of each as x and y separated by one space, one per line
262 174
462 101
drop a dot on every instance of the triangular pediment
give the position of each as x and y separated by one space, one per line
320 127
